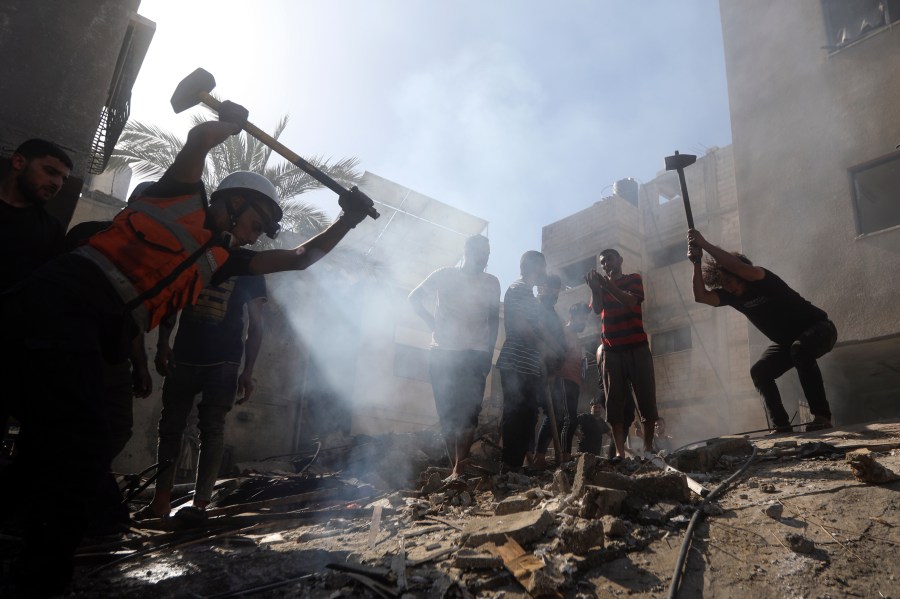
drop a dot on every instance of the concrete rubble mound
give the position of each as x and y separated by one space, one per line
340 522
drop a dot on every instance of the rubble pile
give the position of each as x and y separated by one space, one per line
335 529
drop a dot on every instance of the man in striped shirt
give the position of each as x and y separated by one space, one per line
617 298
519 363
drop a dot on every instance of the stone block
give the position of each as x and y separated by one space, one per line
704 459
582 535
523 527
470 559
513 504
599 501
583 470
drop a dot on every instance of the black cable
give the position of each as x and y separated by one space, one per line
695 519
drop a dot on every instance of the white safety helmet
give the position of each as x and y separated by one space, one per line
261 190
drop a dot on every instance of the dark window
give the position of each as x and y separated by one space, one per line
876 194
671 341
573 274
849 20
411 362
670 255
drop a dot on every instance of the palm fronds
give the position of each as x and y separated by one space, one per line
150 150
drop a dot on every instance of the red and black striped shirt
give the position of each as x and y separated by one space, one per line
622 327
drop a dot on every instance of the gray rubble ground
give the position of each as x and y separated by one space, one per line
588 529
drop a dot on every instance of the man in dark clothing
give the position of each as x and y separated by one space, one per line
801 332
520 359
29 236
205 359
85 305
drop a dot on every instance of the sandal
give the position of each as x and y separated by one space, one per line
190 517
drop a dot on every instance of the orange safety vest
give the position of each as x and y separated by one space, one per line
158 255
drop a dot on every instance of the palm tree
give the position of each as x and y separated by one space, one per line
150 150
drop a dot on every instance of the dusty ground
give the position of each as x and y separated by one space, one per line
852 528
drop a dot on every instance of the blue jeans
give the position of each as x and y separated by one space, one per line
218 385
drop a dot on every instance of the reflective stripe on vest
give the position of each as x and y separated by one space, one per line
123 286
155 280
167 217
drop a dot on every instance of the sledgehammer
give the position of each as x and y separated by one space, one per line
679 162
194 89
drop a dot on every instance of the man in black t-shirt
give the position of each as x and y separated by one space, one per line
29 235
801 332
205 359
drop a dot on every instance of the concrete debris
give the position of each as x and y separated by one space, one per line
476 559
774 510
704 459
799 544
614 527
580 535
531 571
576 531
600 501
522 527
865 469
514 504
651 487
561 484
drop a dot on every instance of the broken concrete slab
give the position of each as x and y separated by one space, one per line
652 487
704 459
614 527
601 501
523 527
513 505
581 535
474 559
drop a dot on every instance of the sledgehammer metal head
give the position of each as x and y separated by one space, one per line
678 162
675 162
192 90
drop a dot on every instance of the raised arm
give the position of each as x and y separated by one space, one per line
702 295
729 262
592 278
355 205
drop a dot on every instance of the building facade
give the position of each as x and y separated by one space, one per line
69 68
813 88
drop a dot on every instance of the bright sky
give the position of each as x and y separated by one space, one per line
521 112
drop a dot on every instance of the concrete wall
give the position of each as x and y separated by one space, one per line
802 115
58 63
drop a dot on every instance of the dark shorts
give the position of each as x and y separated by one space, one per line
625 371
458 378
